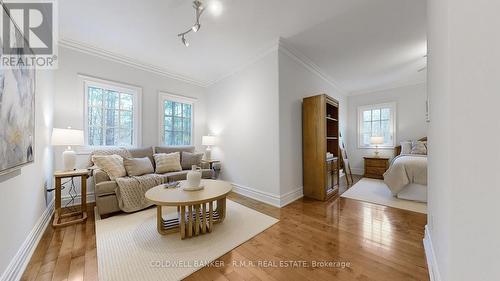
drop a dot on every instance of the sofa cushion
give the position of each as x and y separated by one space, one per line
106 188
181 175
142 152
172 149
189 159
138 166
167 162
111 164
109 150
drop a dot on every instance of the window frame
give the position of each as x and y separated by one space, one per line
361 109
136 92
164 96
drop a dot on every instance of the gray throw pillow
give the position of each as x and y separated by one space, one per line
419 147
138 166
189 159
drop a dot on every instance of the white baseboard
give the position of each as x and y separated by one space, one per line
258 195
78 199
268 198
18 264
291 196
358 171
431 257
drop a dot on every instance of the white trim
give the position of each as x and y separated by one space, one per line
65 199
293 53
291 196
431 256
268 198
20 261
98 52
258 195
135 91
393 107
162 97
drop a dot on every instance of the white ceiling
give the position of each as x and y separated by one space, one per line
362 44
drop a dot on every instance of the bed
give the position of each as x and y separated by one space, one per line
407 176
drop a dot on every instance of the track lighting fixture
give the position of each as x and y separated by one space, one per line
199 8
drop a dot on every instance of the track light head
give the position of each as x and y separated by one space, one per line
184 41
196 27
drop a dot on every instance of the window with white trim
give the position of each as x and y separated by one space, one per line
111 113
176 119
377 120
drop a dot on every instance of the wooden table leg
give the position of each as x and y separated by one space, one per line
57 204
190 221
182 222
204 218
210 216
159 220
221 209
84 195
197 221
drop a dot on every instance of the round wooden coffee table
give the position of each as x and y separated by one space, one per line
197 219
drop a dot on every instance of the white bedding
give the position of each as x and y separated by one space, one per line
407 177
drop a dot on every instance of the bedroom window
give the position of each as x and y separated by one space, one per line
377 120
111 113
176 119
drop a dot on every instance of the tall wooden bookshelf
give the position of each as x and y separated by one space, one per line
320 134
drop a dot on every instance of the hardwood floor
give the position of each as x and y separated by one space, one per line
378 242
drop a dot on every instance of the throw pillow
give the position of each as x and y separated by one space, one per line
406 147
138 166
170 162
189 159
111 164
418 147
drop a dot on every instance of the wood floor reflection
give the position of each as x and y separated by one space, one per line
368 242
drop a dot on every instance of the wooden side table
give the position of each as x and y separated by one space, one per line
375 167
84 175
210 162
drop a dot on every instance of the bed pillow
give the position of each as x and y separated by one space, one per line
111 164
138 166
167 162
419 147
189 159
406 147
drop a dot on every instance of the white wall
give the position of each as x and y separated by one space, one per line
296 81
243 112
410 119
69 97
23 198
464 181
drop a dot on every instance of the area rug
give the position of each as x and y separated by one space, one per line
130 248
376 191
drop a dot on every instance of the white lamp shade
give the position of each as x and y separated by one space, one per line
377 140
208 140
67 137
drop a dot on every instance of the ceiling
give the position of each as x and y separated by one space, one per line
362 44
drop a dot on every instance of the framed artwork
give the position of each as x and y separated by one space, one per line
17 114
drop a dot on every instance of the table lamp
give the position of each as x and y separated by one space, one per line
208 141
376 141
67 137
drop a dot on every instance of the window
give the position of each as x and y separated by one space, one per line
377 121
111 113
176 119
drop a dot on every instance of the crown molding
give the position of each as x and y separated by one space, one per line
99 52
293 53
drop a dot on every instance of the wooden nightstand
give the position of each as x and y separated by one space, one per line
375 167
